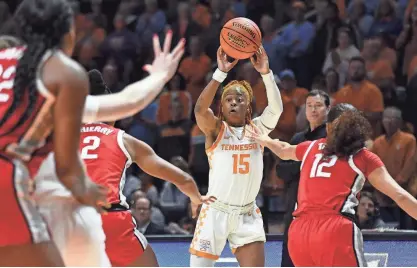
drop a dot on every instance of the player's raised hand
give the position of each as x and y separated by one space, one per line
260 61
258 136
165 62
222 63
203 199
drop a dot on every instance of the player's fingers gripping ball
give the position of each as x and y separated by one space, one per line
240 38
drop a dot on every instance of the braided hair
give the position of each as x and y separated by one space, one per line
41 25
249 94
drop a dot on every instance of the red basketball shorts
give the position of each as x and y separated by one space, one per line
325 240
20 221
124 243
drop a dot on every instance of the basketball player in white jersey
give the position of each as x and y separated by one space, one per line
236 166
77 229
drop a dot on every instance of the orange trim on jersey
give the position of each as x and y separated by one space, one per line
233 250
203 254
217 141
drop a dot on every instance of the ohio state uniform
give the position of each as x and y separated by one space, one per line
106 159
323 232
24 143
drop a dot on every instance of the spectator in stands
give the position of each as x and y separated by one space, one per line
156 214
379 70
152 21
296 39
184 26
142 213
396 149
317 107
386 20
173 202
386 52
174 123
122 45
360 20
326 37
333 82
269 39
176 95
98 17
86 55
195 67
291 89
198 161
339 57
111 76
362 94
147 186
407 40
200 13
368 216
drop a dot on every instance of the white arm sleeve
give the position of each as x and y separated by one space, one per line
268 120
90 110
131 100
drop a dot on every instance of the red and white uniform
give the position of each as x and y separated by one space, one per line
323 232
24 143
107 159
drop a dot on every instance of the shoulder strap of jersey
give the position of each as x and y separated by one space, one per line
122 145
307 152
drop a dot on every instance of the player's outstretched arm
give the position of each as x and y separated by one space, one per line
135 97
72 88
270 116
206 120
283 150
146 158
383 182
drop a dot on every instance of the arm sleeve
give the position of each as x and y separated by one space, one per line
270 116
301 149
90 110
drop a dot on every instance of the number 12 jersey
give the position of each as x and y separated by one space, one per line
331 183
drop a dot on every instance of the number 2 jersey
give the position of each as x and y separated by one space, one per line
106 159
236 166
331 184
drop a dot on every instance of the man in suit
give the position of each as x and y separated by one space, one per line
141 210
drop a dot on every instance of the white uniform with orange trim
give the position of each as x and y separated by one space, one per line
235 178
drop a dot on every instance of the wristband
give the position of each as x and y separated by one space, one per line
219 76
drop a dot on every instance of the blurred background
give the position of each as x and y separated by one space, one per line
309 44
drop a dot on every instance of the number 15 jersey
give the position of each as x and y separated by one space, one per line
236 166
331 184
106 158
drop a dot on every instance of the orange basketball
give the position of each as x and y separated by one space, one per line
240 38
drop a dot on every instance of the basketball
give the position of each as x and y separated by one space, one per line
240 38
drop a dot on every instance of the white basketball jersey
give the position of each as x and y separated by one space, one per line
236 166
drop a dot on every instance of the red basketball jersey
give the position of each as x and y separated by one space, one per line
331 183
28 140
106 158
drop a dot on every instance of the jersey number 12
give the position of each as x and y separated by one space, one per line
317 168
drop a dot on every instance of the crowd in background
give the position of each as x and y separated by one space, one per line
362 52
